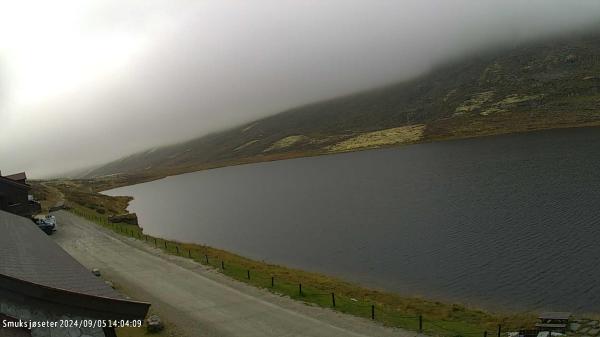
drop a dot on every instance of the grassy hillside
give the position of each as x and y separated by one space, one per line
547 84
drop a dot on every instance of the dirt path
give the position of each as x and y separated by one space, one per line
54 198
198 300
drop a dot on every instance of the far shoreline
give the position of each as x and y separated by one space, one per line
106 183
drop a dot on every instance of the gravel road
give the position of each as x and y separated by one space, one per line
197 300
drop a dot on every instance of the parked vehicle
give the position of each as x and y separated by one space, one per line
47 223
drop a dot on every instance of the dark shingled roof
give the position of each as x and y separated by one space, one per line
26 253
17 176
14 183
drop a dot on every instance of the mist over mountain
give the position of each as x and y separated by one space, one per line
550 83
84 83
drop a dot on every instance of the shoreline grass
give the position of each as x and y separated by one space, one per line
438 319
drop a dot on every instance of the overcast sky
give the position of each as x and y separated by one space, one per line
85 82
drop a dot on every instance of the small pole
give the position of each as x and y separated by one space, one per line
146 238
300 289
165 244
333 300
420 323
272 281
485 333
372 311
222 265
206 257
154 242
248 273
499 329
177 249
190 253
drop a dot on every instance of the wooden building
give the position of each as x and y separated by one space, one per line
15 195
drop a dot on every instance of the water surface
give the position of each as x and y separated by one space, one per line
508 222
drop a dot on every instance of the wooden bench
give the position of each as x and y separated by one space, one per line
553 321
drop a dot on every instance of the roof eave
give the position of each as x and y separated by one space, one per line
102 307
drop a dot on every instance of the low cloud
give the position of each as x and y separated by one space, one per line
112 77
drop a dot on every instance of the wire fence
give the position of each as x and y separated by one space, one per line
309 293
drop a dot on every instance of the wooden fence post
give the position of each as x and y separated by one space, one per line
222 265
300 289
272 281
372 311
333 300
248 273
420 323
499 329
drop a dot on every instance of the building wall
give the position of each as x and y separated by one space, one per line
12 194
24 312
15 199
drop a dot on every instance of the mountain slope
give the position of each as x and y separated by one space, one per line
547 84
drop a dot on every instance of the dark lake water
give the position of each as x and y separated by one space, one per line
508 222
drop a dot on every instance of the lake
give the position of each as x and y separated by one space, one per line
506 222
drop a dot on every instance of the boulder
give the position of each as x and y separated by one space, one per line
154 324
129 218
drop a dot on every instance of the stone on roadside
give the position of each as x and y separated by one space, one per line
96 272
154 324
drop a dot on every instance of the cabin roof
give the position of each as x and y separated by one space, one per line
26 253
34 266
14 183
17 176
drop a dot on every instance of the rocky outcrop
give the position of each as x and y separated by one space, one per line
129 218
